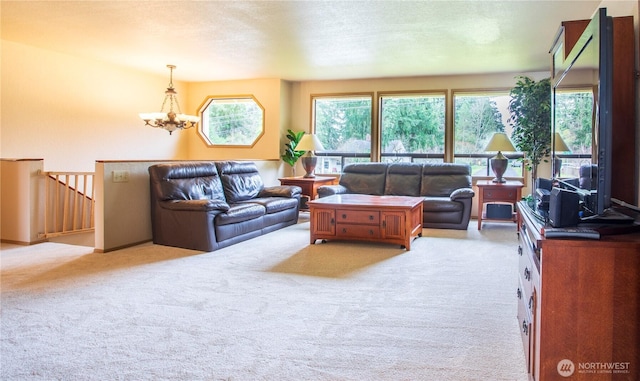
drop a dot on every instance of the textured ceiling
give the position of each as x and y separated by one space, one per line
299 40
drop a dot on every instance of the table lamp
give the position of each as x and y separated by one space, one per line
499 163
309 143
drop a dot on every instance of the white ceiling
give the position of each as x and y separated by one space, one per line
299 40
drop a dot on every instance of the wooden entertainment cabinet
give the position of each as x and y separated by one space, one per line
578 304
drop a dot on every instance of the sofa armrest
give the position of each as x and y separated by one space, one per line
195 205
289 191
462 193
328 190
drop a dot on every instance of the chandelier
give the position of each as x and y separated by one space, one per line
170 120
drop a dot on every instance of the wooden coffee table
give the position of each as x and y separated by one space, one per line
390 219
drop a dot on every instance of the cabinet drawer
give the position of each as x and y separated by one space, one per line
357 231
358 217
499 195
524 324
525 272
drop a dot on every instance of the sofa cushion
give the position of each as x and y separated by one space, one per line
197 188
274 204
189 181
290 191
442 179
195 205
364 178
239 213
403 179
240 180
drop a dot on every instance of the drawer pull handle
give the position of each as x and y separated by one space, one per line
370 218
527 273
520 251
531 302
525 327
370 232
333 221
344 216
519 293
344 230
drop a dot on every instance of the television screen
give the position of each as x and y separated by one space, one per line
582 119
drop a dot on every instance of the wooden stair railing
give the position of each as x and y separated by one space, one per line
69 203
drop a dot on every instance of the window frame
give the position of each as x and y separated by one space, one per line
343 156
579 158
409 93
211 98
498 91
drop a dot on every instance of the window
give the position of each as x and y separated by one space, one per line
231 121
412 127
343 125
574 114
476 117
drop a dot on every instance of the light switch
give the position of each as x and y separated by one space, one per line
120 176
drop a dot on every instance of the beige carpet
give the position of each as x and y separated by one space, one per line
272 308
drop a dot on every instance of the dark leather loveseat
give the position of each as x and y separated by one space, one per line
445 187
209 205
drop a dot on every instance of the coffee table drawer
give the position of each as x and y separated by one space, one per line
358 216
361 231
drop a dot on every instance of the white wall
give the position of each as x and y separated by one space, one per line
22 187
72 112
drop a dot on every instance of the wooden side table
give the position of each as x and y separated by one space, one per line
508 192
309 186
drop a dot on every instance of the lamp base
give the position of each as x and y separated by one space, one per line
309 165
499 167
557 167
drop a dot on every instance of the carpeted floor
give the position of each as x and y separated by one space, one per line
272 308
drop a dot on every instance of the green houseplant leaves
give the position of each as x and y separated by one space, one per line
290 154
530 109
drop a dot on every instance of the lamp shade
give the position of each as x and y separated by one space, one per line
558 144
500 142
309 142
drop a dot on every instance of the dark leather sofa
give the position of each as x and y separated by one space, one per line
446 188
209 205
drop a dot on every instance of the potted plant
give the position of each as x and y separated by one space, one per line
530 109
290 154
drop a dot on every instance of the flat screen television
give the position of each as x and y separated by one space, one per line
589 65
